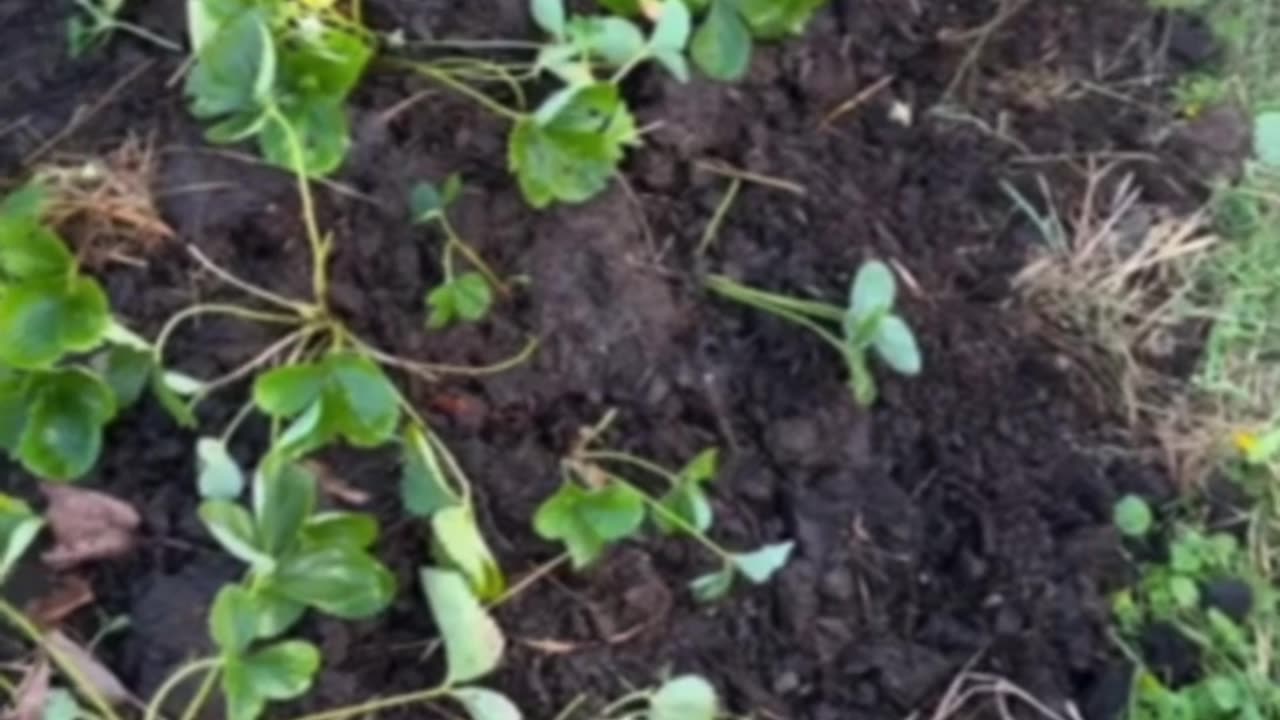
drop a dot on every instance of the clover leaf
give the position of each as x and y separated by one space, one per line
589 520
343 395
466 297
571 146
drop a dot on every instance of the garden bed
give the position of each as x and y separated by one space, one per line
964 519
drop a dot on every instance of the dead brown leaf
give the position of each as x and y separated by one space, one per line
94 673
70 594
87 525
32 694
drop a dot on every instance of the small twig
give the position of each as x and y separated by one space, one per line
717 220
980 36
856 101
719 167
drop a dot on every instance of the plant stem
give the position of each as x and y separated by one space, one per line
445 78
247 368
215 309
717 220
432 371
202 695
675 520
770 302
319 247
65 665
176 679
296 306
629 459
472 256
625 700
373 706
625 70
241 415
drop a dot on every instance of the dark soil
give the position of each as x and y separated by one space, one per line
966 518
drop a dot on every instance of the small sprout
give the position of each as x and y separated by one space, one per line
869 324
427 203
466 298
219 477
1132 516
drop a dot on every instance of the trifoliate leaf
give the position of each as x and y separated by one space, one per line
896 345
587 521
484 704
282 502
467 298
232 526
218 475
760 565
461 546
473 643
42 320
19 527
721 47
1132 516
336 580
423 487
232 619
687 697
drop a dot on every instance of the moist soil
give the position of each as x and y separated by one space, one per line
964 519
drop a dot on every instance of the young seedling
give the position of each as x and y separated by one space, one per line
96 20
595 508
53 409
465 297
869 324
684 697
722 44
279 71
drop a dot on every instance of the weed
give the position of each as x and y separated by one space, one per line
596 507
868 323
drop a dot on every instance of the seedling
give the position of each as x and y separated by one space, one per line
279 71
869 324
722 44
1209 594
53 410
596 508
466 297
684 697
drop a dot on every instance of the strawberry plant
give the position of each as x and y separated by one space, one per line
684 697
66 367
596 507
465 297
722 44
279 71
868 322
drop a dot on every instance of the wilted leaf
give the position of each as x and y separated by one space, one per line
87 525
473 643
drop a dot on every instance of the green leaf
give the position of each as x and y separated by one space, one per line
275 613
336 580
282 502
325 66
468 298
206 17
30 251
126 371
722 45
427 203
353 530
287 391
42 320
62 437
1185 592
760 565
1226 692
284 670
15 405
19 527
688 502
614 40
874 290
703 467
365 406
232 620
671 32
484 704
232 526
1266 138
473 643
423 487
243 701
587 521
61 705
1132 516
171 400
713 586
771 19
461 547
320 126
569 155
235 69
27 203
896 345
218 475
549 15
686 697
